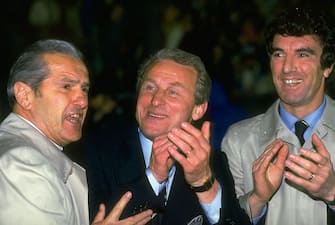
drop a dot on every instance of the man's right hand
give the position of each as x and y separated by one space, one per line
161 160
267 172
113 217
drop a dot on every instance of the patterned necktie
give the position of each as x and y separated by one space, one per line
300 128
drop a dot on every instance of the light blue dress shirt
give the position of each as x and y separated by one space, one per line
312 119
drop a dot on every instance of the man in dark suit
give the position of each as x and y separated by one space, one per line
165 154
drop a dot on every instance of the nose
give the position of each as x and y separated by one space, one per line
81 98
289 64
157 98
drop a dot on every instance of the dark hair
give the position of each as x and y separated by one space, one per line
302 21
203 84
30 67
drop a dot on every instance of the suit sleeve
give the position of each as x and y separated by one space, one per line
31 191
231 212
230 145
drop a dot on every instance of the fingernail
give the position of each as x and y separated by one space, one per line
128 194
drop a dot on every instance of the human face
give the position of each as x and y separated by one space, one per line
297 73
167 98
59 106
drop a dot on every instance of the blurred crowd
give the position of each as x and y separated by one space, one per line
116 35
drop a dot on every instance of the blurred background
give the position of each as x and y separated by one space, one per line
116 36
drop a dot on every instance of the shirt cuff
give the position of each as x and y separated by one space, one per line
258 218
331 207
212 210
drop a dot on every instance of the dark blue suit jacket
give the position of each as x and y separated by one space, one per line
115 164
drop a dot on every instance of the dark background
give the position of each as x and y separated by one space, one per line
115 37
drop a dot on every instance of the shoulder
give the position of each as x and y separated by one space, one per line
246 126
27 176
252 126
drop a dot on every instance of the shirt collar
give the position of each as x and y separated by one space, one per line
146 145
33 125
311 119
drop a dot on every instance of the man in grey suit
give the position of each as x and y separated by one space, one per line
48 92
279 178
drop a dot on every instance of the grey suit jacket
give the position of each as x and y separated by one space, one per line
38 183
246 140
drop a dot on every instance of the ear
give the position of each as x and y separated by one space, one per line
327 71
23 94
199 111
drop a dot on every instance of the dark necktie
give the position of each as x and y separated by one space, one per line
161 199
300 128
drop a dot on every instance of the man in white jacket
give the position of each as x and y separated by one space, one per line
48 92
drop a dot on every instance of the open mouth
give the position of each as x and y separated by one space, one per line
74 118
160 116
292 81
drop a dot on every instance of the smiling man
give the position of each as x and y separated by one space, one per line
164 159
282 161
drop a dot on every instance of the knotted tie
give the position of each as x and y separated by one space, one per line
300 128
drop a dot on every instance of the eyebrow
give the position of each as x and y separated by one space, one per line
173 84
303 49
309 50
66 79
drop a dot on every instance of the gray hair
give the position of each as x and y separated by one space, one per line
31 69
203 84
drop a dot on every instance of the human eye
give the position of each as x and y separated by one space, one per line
303 54
85 89
148 87
173 92
277 54
66 86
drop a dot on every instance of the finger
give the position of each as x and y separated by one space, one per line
281 156
190 138
320 147
205 130
142 218
180 158
100 215
160 142
115 213
181 139
314 157
161 147
301 161
306 183
270 153
199 136
195 133
297 164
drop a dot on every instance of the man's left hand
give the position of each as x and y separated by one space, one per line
313 171
194 151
